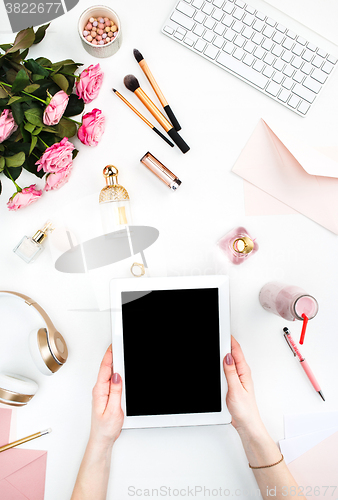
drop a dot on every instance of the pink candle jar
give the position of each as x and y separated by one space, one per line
288 301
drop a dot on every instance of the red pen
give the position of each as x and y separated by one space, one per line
304 363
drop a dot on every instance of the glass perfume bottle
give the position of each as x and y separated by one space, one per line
30 248
238 245
114 202
288 301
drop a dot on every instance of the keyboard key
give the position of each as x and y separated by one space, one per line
287 56
208 35
218 14
306 68
317 61
239 41
298 76
250 9
301 40
270 21
259 52
181 31
304 107
218 3
228 47
200 17
230 35
239 53
312 47
208 8
197 3
278 77
332 59
257 38
258 25
277 50
240 3
218 42
210 23
288 70
238 13
247 32
291 34
268 31
248 19
281 28
198 30
283 95
260 15
200 45
178 35
211 51
308 55
273 88
327 67
268 71
278 37
268 58
258 65
312 84
267 44
287 44
219 29
296 62
227 20
248 47
188 41
318 75
228 7
294 101
248 59
168 29
279 65
245 72
321 53
237 26
186 9
304 93
288 83
183 20
297 49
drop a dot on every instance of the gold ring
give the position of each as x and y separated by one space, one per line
141 270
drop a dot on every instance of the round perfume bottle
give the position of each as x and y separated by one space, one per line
238 245
288 301
114 202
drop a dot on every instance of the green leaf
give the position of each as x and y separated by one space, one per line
17 98
61 81
31 88
40 33
2 163
17 112
15 172
56 66
5 46
75 106
66 128
11 75
33 144
37 78
3 93
2 147
15 160
43 61
75 153
38 130
23 40
36 68
21 81
34 116
29 127
30 166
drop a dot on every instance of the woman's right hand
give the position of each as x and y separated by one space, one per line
240 399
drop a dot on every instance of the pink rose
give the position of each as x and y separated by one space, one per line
92 128
7 124
57 157
90 83
24 198
55 181
55 109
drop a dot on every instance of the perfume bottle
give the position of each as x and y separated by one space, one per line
288 301
238 245
114 202
30 248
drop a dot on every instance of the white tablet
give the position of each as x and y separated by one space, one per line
170 336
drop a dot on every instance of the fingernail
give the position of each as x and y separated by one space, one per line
110 348
229 359
116 378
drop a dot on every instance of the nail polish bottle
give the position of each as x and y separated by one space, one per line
114 202
29 248
238 245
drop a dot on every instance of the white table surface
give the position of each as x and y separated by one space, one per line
218 114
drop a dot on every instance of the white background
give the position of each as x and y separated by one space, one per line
217 113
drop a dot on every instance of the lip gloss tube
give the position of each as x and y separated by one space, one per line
162 172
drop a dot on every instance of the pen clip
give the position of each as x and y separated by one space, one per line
289 344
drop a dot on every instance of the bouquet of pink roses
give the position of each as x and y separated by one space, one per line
36 103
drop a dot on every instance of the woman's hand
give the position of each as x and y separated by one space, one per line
107 414
240 398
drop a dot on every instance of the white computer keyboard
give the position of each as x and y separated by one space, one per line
254 47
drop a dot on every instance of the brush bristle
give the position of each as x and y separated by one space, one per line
138 56
131 82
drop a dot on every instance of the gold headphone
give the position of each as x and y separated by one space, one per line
48 350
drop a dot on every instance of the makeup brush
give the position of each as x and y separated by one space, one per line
25 440
142 117
132 84
145 68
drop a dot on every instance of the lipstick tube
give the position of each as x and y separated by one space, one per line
162 172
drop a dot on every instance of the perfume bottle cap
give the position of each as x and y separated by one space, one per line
112 191
41 234
243 245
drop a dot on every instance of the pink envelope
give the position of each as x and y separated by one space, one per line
296 175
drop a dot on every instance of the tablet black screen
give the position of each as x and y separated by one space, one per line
171 351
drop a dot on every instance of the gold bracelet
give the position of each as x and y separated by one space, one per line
266 466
